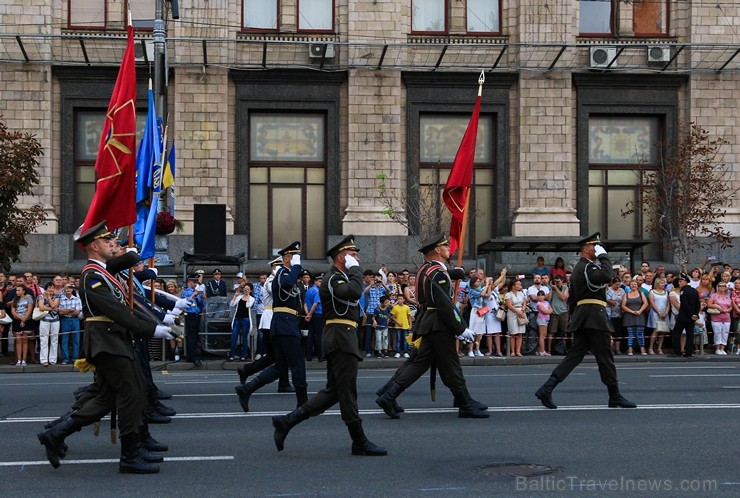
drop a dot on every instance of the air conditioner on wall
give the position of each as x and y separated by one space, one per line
144 48
602 56
316 50
658 53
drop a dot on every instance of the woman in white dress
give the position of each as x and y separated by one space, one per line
516 305
660 311
493 324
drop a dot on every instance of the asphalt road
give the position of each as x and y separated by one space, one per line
681 441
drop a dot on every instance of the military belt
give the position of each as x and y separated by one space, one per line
591 301
290 311
350 323
97 319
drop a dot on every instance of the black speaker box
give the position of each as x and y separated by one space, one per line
210 229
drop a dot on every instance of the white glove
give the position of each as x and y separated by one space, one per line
181 304
467 335
350 261
599 250
295 260
168 319
175 312
163 332
132 249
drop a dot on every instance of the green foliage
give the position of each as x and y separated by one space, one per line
19 153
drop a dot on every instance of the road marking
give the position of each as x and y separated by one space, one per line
498 409
695 375
115 460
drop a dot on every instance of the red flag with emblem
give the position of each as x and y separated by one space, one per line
114 199
457 189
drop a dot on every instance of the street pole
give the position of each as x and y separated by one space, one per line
159 36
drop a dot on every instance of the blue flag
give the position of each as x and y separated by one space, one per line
148 183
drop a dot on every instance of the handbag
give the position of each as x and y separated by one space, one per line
38 314
522 320
6 320
483 311
501 314
713 311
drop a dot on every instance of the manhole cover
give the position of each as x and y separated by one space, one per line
515 470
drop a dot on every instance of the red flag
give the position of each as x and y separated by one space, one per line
455 193
114 199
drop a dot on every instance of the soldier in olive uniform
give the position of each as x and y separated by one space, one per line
284 332
340 292
438 324
589 324
110 328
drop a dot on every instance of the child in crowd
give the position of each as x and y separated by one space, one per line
402 318
544 310
380 323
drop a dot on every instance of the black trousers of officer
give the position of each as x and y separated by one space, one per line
341 387
440 347
313 341
288 352
192 335
119 378
676 334
599 343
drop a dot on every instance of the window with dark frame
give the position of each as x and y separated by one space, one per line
316 15
260 15
440 137
650 17
287 175
596 17
429 16
622 150
87 14
142 13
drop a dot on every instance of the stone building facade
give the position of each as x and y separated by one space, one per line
289 111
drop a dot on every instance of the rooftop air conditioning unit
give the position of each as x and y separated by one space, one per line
602 56
316 50
658 53
144 51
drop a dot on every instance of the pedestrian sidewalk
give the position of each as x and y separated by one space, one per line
8 367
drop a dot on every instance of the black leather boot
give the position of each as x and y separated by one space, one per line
284 423
152 416
286 388
388 399
245 391
301 396
459 401
361 445
163 409
148 442
616 400
245 371
396 407
54 423
544 393
131 461
53 439
468 408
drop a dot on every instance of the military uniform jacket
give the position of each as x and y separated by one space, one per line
436 311
589 281
103 297
340 295
286 294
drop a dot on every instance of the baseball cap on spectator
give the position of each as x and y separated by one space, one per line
240 275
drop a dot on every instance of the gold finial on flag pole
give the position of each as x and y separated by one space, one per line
481 80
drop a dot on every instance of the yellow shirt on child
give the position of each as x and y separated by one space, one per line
402 316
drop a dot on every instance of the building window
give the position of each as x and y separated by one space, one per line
87 13
483 16
596 17
429 16
650 17
621 150
287 172
87 130
260 15
316 15
142 13
440 137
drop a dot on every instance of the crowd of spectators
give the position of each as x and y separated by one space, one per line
45 322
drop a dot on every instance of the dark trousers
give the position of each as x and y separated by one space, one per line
117 378
676 333
192 335
268 358
437 346
313 341
341 387
369 335
288 353
4 339
599 343
142 357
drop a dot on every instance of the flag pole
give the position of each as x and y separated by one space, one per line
131 226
